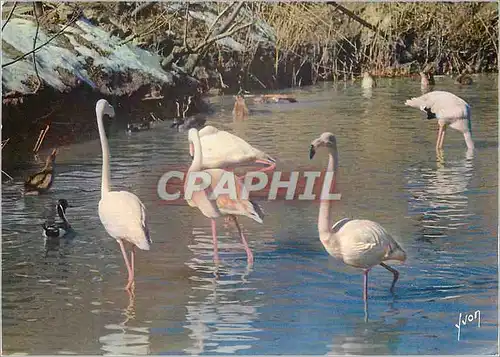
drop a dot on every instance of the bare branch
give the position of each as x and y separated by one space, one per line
210 30
221 36
141 7
10 15
35 12
230 19
185 45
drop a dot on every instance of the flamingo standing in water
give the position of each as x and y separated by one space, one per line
448 109
358 243
122 213
223 205
222 150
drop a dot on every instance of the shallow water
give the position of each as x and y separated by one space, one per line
296 299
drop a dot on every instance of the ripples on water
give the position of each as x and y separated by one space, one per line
296 299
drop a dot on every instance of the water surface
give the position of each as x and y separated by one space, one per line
296 299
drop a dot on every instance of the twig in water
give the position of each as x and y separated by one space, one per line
10 15
40 139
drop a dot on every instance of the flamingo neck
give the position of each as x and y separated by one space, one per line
105 155
468 140
324 207
197 155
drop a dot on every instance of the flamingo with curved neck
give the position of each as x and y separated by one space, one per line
358 243
223 205
223 150
122 213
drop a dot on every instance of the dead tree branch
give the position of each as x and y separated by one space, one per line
223 12
35 12
221 36
10 15
358 19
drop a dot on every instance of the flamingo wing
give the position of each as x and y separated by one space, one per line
124 216
365 243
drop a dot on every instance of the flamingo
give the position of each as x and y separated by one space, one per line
222 205
222 150
122 213
449 110
358 243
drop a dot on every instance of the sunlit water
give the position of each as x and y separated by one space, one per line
296 299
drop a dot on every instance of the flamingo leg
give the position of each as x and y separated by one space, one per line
270 165
440 130
365 285
129 268
244 241
214 239
394 272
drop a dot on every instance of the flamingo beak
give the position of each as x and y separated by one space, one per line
312 151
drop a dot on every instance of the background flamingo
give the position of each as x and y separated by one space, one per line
223 150
448 109
223 205
358 243
122 213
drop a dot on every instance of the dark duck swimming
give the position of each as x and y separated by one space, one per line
53 230
42 181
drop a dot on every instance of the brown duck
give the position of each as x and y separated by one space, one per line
41 181
240 109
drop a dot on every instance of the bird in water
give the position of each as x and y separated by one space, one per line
359 243
184 124
449 110
222 150
121 213
53 230
240 109
42 181
426 80
464 79
368 81
223 204
136 127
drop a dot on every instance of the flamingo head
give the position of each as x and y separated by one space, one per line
324 140
103 107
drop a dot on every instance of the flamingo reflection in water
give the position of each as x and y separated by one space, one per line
124 339
438 196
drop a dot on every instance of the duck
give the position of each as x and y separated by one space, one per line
136 127
464 79
41 181
240 109
184 124
54 230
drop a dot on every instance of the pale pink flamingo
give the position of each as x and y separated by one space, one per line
448 109
223 205
222 150
122 213
358 243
